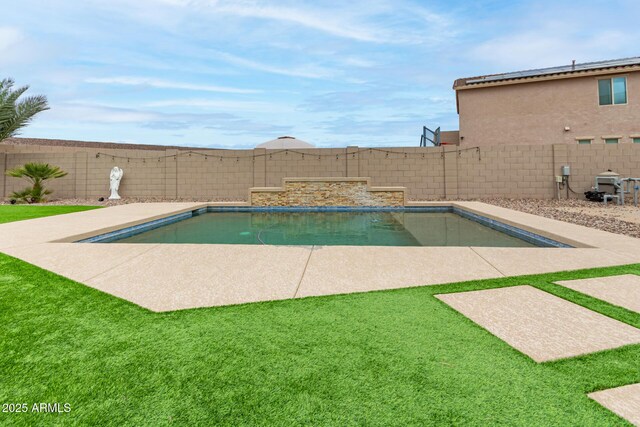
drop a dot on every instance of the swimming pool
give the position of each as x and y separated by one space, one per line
444 226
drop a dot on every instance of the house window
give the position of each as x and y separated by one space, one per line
611 140
584 141
636 140
612 91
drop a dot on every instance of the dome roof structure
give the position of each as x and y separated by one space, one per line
284 143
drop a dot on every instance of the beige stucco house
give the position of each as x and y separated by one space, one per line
590 103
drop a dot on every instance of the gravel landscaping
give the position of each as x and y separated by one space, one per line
612 218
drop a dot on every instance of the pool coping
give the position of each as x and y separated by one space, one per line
165 277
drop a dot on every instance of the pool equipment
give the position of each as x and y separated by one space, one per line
636 187
609 187
258 236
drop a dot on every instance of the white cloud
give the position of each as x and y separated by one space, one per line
77 112
81 114
355 21
358 62
359 21
175 2
227 105
306 18
17 48
372 21
310 71
9 37
541 49
165 84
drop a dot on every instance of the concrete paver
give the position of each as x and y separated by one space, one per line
622 290
624 401
539 324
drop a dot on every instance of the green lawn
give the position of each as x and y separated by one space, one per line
397 357
9 213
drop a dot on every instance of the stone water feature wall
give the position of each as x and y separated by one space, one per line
327 192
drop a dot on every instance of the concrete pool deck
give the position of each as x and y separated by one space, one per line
164 277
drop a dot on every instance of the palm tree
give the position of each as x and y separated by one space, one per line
36 174
14 113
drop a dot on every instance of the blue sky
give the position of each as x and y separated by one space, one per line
236 73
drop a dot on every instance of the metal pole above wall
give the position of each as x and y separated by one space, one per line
450 169
171 174
259 167
352 160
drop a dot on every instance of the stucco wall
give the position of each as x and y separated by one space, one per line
427 173
537 113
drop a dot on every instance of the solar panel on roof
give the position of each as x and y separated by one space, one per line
555 70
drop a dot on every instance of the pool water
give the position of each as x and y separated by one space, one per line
329 228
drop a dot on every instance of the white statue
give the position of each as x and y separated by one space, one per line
114 182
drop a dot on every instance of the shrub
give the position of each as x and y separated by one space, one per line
36 174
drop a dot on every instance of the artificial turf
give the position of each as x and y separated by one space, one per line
397 357
9 213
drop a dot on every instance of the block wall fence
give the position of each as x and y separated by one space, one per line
514 171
